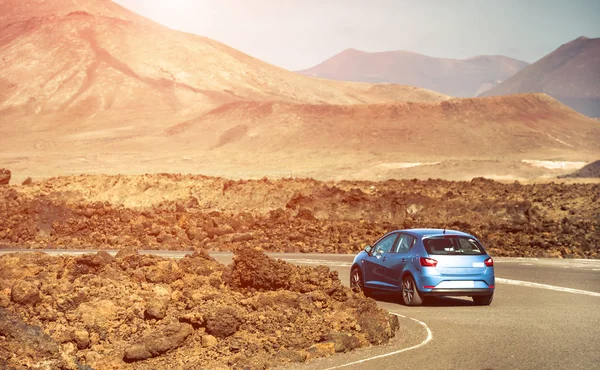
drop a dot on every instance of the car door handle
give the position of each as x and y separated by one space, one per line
384 258
403 260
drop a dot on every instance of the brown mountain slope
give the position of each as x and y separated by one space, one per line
102 57
12 11
534 124
461 78
570 74
591 170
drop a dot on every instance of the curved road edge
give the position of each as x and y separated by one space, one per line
428 339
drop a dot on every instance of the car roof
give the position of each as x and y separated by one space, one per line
422 233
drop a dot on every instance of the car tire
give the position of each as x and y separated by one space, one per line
410 293
357 283
483 300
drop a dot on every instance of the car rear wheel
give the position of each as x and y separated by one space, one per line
483 300
356 282
410 293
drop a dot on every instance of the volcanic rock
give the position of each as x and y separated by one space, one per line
343 342
82 339
157 308
222 323
112 314
4 176
321 349
25 292
376 326
27 343
510 219
253 270
160 342
209 341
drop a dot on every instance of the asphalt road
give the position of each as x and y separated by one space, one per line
545 315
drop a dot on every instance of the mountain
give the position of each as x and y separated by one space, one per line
455 77
87 58
506 126
570 74
88 86
590 170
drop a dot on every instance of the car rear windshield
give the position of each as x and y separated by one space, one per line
453 245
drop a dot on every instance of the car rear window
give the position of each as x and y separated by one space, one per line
453 245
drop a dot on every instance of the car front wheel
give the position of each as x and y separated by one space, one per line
356 282
410 293
483 300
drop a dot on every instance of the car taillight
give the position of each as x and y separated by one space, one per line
427 262
489 262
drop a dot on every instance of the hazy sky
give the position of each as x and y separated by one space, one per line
297 34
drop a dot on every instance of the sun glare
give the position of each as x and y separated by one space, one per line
176 14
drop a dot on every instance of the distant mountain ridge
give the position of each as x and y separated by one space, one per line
570 74
456 77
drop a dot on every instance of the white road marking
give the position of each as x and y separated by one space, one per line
317 262
546 286
424 342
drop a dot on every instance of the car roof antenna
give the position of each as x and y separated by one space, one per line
445 222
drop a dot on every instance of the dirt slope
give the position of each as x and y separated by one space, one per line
570 74
455 77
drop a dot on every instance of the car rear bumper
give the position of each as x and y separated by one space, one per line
456 283
457 292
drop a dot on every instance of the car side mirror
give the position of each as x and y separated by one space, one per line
368 249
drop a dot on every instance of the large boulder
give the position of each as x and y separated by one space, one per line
4 176
222 323
24 344
25 292
162 341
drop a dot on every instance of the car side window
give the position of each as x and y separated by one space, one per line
405 242
386 244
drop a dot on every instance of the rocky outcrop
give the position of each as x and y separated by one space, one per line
25 292
538 220
4 176
157 343
144 312
26 346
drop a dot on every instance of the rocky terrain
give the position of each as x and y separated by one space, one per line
143 312
186 212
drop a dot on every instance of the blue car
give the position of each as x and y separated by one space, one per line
420 263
